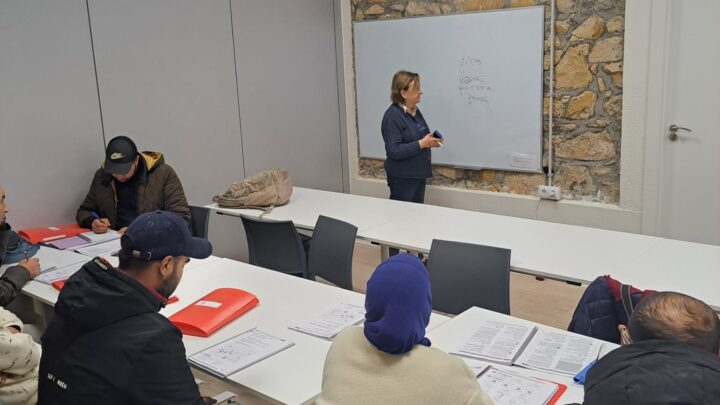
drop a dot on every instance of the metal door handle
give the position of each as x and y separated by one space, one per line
673 136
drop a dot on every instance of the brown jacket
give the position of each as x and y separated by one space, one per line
159 188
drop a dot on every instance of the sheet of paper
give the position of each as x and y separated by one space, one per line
62 273
559 352
239 352
497 341
332 322
506 388
100 249
93 237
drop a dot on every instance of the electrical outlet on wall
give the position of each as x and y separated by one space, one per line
549 192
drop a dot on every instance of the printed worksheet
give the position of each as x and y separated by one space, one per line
559 352
507 388
63 273
239 352
496 341
333 321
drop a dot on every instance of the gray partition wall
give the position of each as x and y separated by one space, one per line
50 130
166 76
287 86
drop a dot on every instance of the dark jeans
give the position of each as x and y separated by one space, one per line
410 190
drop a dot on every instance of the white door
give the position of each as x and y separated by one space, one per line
690 206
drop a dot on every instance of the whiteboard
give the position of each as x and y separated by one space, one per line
481 75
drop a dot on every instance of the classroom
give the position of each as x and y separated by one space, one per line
359 201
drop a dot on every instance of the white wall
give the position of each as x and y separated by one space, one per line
50 131
627 216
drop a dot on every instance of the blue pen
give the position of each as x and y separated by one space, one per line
94 214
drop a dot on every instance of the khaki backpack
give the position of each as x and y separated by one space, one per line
263 191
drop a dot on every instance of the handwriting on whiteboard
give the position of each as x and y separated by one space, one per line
473 84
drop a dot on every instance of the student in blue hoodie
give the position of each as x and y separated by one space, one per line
389 360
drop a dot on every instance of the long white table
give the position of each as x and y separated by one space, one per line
544 249
47 294
452 334
306 205
293 376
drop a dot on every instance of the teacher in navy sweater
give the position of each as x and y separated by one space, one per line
408 140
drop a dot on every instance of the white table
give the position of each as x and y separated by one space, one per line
306 205
52 257
544 249
294 375
452 334
686 267
47 294
539 248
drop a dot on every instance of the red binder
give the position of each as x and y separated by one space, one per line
213 311
48 233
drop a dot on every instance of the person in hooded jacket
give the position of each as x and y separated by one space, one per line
130 183
389 360
22 270
672 357
107 343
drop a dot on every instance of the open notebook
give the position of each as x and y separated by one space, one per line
527 346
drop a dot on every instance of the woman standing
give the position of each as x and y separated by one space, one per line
408 140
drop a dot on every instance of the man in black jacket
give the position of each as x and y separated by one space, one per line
107 343
15 277
673 357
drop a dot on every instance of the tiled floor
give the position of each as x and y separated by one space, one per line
546 302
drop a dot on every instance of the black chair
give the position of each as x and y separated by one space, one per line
463 275
199 218
331 251
275 245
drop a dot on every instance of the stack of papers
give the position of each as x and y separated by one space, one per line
556 352
100 249
332 322
239 352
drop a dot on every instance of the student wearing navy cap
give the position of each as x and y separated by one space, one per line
107 343
130 183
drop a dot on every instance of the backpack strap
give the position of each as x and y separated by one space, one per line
626 300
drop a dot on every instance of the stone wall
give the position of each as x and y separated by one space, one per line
586 108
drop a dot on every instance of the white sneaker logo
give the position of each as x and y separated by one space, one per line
116 156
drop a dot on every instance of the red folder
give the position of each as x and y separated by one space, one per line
48 233
561 390
213 311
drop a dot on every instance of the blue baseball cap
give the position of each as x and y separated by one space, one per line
155 235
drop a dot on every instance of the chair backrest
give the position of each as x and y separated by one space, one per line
199 217
275 245
463 275
331 251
